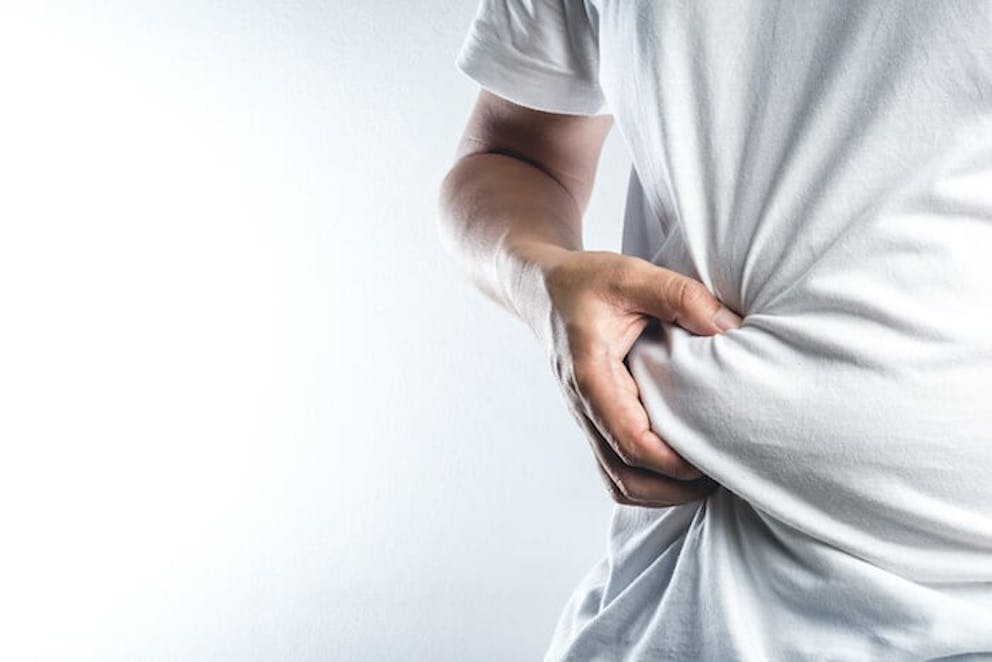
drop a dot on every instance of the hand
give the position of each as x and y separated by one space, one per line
598 303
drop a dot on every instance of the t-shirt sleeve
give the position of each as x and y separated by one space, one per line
543 54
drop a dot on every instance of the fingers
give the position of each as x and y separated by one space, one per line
600 303
639 487
674 297
610 396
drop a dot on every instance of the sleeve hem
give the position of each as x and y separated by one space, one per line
494 70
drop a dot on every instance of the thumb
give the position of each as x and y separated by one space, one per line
675 297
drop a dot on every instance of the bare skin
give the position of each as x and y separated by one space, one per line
510 213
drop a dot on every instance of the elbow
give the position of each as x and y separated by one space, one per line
446 215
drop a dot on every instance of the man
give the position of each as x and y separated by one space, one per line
786 377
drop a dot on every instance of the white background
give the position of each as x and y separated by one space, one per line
248 408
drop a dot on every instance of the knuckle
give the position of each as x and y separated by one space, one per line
616 495
622 487
683 471
629 488
611 487
678 468
684 495
630 454
689 292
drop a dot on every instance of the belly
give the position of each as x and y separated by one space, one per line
855 405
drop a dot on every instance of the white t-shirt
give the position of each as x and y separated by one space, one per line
825 168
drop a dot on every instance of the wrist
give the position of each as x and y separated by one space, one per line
524 268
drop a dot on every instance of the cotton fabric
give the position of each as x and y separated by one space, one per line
825 169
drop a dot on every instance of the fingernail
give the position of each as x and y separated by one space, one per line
725 319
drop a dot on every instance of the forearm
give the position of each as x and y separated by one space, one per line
504 221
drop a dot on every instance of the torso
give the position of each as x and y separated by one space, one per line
825 168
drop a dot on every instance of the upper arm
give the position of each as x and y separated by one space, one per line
566 147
